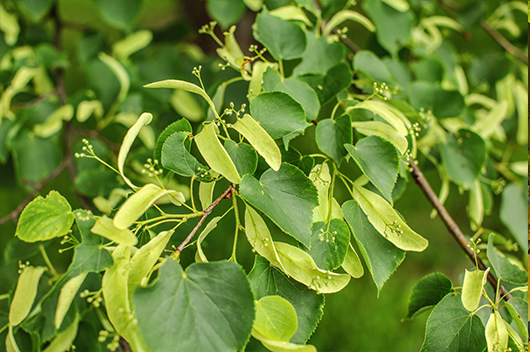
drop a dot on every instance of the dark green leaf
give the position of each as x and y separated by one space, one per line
119 13
430 70
330 83
225 12
208 307
293 157
16 250
512 214
489 67
329 243
319 56
428 96
182 125
298 90
34 10
283 39
286 196
519 312
96 182
279 114
266 280
463 155
393 27
5 127
451 327
378 160
331 135
372 66
380 255
243 155
428 292
504 269
177 158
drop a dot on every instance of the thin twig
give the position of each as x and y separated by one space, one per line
453 227
14 214
509 47
205 213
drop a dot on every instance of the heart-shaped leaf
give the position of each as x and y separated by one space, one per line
331 135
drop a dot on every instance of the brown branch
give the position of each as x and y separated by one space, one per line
14 214
453 227
509 47
203 217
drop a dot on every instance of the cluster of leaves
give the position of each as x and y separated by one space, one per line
411 97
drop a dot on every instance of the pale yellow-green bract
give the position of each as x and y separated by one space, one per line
496 333
66 296
474 281
383 130
352 264
344 15
199 256
105 227
25 293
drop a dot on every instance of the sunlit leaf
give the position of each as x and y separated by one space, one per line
352 263
105 227
212 224
275 319
496 333
25 294
329 243
383 130
66 296
474 282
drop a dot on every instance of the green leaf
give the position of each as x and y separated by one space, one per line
225 12
329 243
393 28
298 90
321 179
279 114
9 25
187 105
331 135
34 11
232 52
518 308
121 75
260 140
45 218
212 224
428 292
372 66
121 14
105 227
463 155
286 196
25 294
385 111
127 143
352 263
243 155
385 220
208 307
283 39
319 56
137 204
96 182
64 339
496 333
206 192
132 43
328 84
474 282
177 158
293 157
428 96
144 259
259 237
512 212
344 15
182 125
381 257
66 296
54 122
504 268
300 266
275 319
383 130
450 327
379 161
214 153
266 280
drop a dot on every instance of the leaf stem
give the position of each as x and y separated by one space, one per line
191 194
238 223
280 65
47 260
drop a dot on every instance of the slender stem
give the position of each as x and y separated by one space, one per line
335 108
47 260
4 296
453 227
238 222
191 194
205 213
280 64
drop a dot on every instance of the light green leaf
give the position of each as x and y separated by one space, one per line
105 227
146 134
400 5
87 108
382 110
121 75
64 340
45 218
186 105
474 282
208 307
260 140
521 103
206 193
344 15
488 124
54 122
329 243
352 263
9 25
283 346
18 82
383 130
293 13
332 135
66 296
475 207
259 237
518 308
275 319
515 338
379 161
144 259
385 220
283 39
428 292
231 51
215 154
286 196
11 342
259 68
127 143
137 204
321 178
132 43
496 333
212 224
300 266
25 294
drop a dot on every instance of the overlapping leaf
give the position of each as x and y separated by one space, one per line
428 292
331 135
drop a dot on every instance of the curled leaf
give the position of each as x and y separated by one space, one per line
105 227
